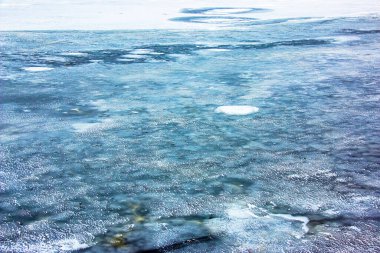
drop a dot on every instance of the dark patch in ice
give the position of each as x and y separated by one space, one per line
166 50
27 99
219 15
250 41
180 245
217 186
190 48
77 111
358 32
212 19
233 10
342 220
293 43
235 20
162 235
276 21
191 217
161 53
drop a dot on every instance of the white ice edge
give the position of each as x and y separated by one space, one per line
156 14
240 212
290 217
303 219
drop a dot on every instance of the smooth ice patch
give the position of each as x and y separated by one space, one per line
236 109
125 59
142 51
55 58
239 213
71 244
134 56
96 61
341 39
212 50
218 50
303 219
85 127
74 54
227 11
37 69
344 39
94 127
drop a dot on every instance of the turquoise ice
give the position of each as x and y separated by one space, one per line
259 139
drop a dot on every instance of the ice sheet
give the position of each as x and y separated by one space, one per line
156 14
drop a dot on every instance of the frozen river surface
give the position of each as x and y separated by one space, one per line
264 138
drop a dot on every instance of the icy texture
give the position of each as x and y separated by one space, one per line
118 146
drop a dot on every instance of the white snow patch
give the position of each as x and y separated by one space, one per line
94 127
341 39
237 109
239 213
71 244
218 50
74 54
142 51
212 50
37 69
